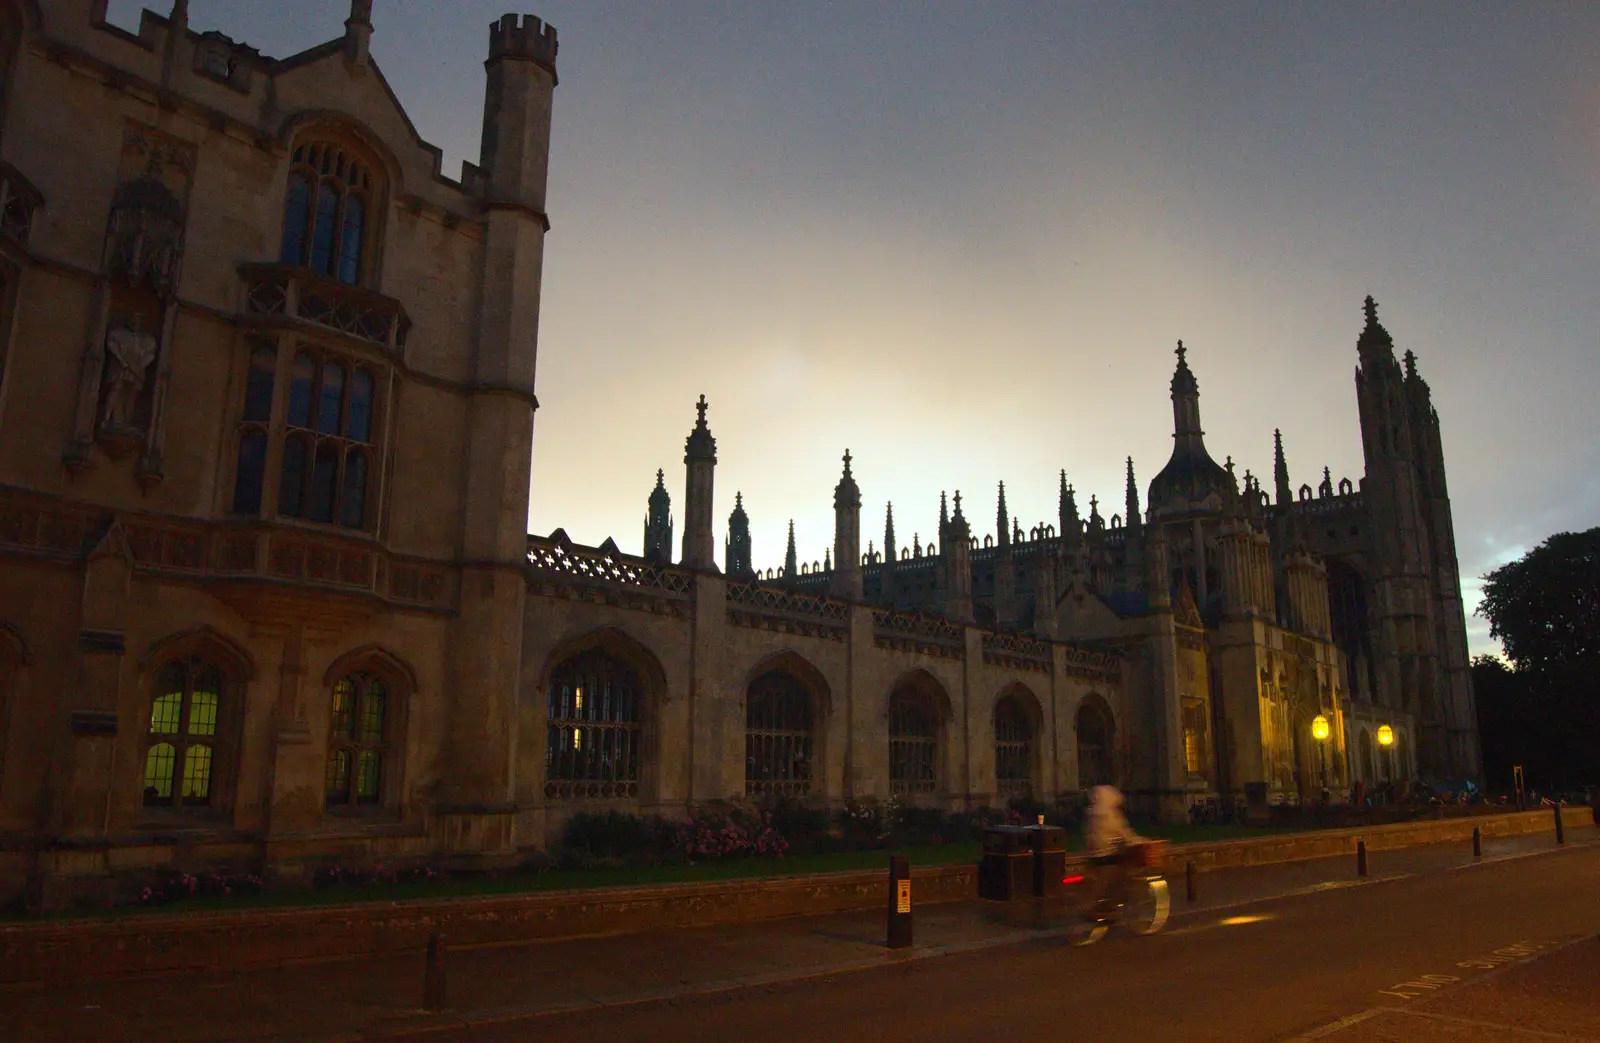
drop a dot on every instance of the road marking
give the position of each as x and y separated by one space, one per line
1506 954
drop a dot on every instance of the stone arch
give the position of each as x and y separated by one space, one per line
316 122
200 640
1016 722
369 695
1095 727
918 713
624 731
787 707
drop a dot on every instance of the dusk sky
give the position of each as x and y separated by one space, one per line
962 239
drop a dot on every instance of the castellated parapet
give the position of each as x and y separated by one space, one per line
523 37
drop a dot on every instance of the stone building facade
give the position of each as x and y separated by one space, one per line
266 595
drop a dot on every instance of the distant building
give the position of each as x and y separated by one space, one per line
266 598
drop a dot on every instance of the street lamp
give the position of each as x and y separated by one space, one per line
1319 732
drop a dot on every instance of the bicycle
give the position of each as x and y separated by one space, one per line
1137 899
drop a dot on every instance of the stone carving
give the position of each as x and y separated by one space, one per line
129 354
145 241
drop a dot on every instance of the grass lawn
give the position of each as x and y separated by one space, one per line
584 879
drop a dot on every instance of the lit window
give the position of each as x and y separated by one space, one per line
180 743
592 731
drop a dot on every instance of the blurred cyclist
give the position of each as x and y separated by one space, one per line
1107 837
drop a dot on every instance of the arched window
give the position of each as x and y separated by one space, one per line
329 432
1094 745
1013 749
181 742
913 744
777 739
593 734
330 191
251 464
359 742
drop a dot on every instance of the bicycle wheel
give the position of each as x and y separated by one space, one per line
1148 907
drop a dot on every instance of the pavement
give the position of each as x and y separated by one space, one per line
1432 945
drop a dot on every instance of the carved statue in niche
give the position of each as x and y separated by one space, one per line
128 360
129 354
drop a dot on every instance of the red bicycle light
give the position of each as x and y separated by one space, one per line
1072 880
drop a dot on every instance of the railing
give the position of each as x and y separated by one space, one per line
291 292
18 200
910 631
227 551
569 559
1017 650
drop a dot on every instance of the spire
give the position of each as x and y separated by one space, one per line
944 517
888 533
1002 524
791 567
1280 469
1133 517
956 520
1071 525
846 493
1374 342
827 559
1411 364
1096 523
700 445
1183 382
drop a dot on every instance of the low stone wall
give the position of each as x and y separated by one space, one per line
223 941
1329 843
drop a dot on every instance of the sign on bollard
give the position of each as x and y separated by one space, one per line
899 902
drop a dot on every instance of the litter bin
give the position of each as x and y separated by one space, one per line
1006 871
1049 860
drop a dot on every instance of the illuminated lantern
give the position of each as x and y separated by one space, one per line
1319 727
1385 735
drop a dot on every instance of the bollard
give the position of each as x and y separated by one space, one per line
899 902
1477 842
1561 827
1190 893
1361 858
433 991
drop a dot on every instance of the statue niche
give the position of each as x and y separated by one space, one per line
127 363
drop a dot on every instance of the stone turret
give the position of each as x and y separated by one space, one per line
736 552
957 549
700 463
658 524
1071 524
1005 583
845 581
1191 480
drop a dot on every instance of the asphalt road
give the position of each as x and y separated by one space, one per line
1271 970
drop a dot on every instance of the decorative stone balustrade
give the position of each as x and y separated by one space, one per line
291 293
1018 651
914 632
772 608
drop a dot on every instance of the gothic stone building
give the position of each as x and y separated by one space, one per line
266 596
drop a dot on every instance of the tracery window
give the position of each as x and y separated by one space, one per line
913 745
1013 749
330 193
1194 737
778 737
1094 745
327 433
359 742
182 740
593 735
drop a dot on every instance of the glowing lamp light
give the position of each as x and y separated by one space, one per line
1385 735
1319 727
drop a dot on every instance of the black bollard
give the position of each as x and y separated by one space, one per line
433 991
899 902
1477 842
1361 858
1561 827
1190 892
